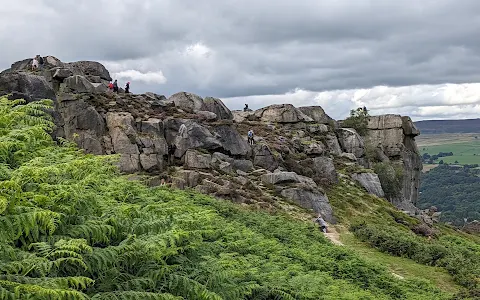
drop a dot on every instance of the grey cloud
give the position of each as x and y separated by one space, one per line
256 47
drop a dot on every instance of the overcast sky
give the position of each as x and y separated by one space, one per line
414 57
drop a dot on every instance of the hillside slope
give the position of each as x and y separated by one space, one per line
73 228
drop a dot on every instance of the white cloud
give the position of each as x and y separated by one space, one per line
444 101
148 77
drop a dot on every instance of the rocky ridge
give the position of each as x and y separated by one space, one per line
298 152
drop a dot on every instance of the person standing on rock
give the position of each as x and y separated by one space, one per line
250 139
322 223
127 88
115 86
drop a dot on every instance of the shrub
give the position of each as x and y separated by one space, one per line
391 178
358 120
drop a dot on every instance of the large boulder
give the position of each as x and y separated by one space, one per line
351 141
79 84
325 168
188 102
61 73
263 157
316 113
313 200
27 86
231 140
282 113
194 137
152 137
286 177
409 128
242 116
216 106
92 68
83 124
197 160
370 182
332 144
122 132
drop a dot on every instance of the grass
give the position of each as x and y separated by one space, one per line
465 147
400 266
428 167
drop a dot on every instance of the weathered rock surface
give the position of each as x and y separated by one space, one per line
27 86
316 113
188 102
301 146
316 201
79 84
351 142
217 107
282 113
395 135
370 182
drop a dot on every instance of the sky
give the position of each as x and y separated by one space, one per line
409 57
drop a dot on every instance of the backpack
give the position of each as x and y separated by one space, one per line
40 60
250 133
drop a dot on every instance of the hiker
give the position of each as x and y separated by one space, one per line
182 131
250 139
246 107
40 61
171 153
115 86
322 223
34 64
127 88
110 87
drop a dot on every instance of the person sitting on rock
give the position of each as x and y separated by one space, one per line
110 86
115 86
40 61
250 139
34 64
322 223
127 88
246 107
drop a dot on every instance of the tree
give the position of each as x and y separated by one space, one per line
358 120
440 162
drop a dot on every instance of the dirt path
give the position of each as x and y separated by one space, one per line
333 235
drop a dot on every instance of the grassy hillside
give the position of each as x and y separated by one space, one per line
73 228
448 126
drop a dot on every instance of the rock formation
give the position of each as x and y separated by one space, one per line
297 153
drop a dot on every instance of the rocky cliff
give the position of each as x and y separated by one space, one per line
298 152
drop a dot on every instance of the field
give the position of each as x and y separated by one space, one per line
465 147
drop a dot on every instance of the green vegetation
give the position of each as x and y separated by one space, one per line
454 191
73 228
358 120
391 178
401 266
459 256
463 153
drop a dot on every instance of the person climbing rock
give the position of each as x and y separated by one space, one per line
110 87
34 64
127 88
171 153
322 223
115 86
250 138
